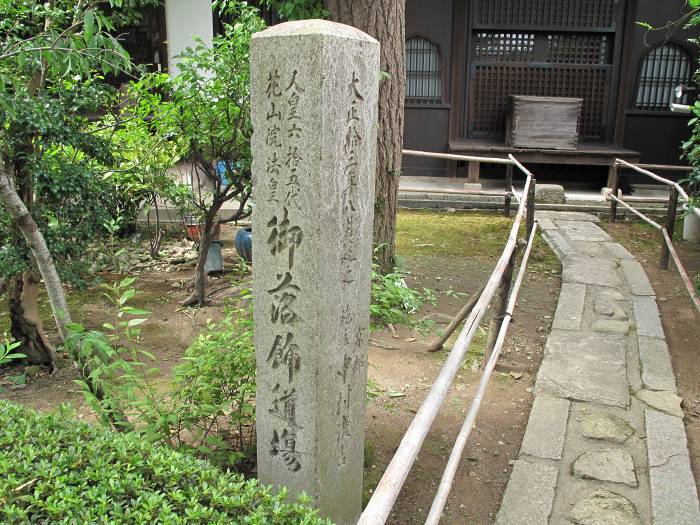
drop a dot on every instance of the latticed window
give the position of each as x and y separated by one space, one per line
423 72
663 68
549 48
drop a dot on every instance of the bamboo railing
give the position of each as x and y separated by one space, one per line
506 194
676 194
385 494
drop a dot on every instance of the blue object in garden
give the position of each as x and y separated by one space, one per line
244 244
221 171
215 261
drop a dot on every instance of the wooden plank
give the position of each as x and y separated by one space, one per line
544 122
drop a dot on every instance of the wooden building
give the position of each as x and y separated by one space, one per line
464 58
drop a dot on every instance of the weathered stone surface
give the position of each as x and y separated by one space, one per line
603 507
314 108
582 231
612 295
611 465
550 194
674 497
646 317
546 428
529 495
558 243
588 367
591 249
589 270
662 400
657 370
611 326
570 307
609 308
636 277
546 224
618 251
665 437
605 427
566 216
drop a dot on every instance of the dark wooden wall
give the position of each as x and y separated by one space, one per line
426 126
657 135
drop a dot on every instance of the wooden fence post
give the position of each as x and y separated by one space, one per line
531 206
670 226
615 188
499 308
509 187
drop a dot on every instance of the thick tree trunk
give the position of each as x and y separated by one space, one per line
385 20
26 325
37 244
199 294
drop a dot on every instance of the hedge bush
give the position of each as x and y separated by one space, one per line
54 469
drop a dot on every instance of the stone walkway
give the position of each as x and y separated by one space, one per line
605 443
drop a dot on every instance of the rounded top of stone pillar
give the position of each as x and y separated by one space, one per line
314 27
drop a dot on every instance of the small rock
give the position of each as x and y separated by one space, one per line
516 375
610 464
606 427
603 507
663 400
604 306
611 326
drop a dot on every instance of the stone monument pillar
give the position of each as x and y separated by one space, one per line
314 104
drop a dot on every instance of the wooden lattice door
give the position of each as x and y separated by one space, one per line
557 48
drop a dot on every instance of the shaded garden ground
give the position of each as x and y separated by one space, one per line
451 253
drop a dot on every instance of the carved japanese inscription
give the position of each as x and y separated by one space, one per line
314 105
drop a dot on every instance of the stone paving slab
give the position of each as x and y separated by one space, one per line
636 277
569 310
618 251
588 367
590 270
592 454
561 246
583 231
646 316
591 249
657 370
529 494
566 216
546 428
674 497
546 224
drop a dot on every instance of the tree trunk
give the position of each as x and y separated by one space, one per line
37 244
26 325
199 294
385 20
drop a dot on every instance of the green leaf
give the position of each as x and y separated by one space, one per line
89 25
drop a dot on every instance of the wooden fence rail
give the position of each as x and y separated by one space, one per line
667 247
382 501
506 194
450 471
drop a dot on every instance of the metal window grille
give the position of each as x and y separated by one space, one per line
423 72
576 48
662 70
504 47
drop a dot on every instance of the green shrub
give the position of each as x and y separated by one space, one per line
208 409
54 469
392 300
